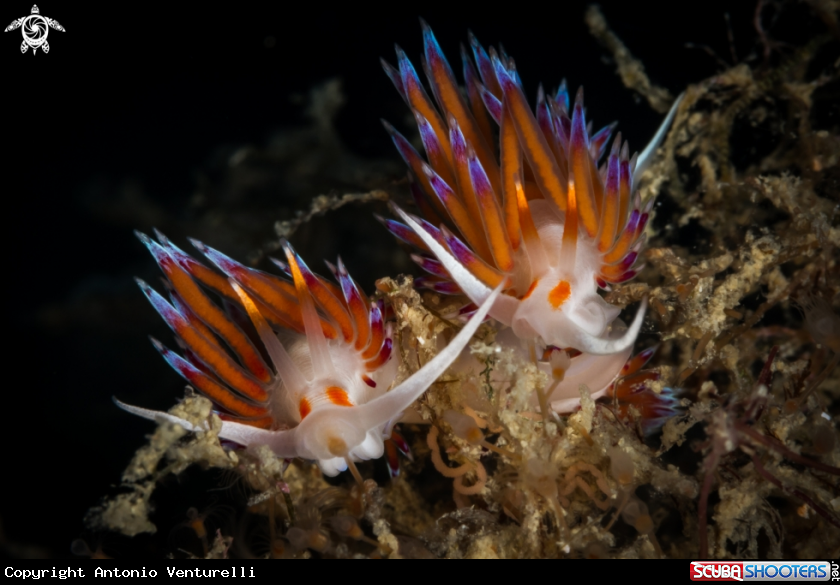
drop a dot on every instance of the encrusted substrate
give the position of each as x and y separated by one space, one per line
747 317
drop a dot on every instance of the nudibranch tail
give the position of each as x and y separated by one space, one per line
634 397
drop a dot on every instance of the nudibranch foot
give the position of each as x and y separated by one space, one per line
566 369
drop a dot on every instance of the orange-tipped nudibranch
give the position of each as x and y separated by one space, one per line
325 394
536 216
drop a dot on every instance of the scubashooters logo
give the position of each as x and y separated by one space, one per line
760 571
35 29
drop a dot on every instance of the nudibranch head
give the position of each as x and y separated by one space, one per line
537 216
325 395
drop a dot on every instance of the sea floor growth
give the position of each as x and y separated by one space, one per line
743 282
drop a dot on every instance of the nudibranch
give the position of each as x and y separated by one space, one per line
537 216
326 394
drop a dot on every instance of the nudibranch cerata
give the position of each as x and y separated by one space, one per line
326 394
536 216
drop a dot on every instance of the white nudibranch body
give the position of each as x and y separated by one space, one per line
537 216
326 393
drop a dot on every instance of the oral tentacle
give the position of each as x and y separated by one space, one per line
159 416
601 346
477 291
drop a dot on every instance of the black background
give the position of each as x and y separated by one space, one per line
145 94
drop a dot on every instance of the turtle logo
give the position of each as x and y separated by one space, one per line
35 29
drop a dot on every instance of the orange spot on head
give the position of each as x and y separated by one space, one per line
560 294
338 396
304 408
530 290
